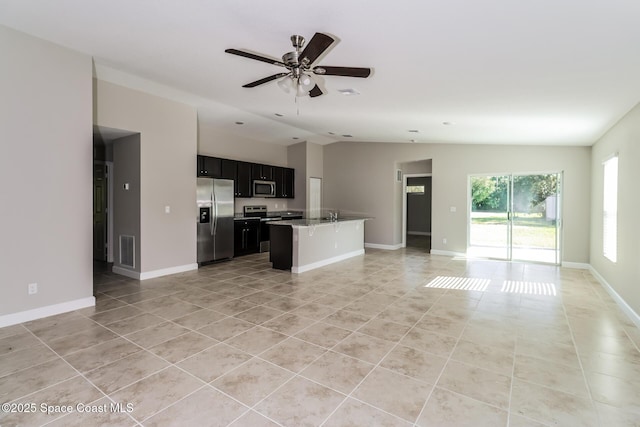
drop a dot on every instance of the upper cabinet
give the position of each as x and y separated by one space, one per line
244 173
243 180
284 178
262 172
229 169
209 166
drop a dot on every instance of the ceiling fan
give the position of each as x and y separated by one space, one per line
300 66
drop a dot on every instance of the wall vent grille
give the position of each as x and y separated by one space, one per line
127 251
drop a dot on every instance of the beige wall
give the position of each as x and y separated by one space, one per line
315 168
360 178
307 159
45 174
213 142
624 275
126 203
168 144
297 159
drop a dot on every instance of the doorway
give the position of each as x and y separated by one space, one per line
515 217
100 198
417 212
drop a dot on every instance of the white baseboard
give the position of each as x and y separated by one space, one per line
616 297
125 272
154 273
576 265
327 261
385 247
419 233
168 271
46 311
447 253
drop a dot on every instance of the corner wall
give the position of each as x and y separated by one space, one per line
126 203
168 144
297 159
624 275
46 165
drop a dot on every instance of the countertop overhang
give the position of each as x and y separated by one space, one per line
309 222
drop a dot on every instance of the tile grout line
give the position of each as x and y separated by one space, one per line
79 373
444 366
378 365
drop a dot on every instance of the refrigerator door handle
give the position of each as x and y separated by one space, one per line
214 225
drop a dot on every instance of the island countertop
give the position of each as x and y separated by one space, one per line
309 222
305 244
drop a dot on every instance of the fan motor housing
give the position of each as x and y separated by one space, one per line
290 59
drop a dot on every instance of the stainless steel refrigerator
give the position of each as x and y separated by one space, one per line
215 219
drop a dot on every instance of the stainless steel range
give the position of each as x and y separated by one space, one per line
260 211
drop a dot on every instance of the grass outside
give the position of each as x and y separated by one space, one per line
530 230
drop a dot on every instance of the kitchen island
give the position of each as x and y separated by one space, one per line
305 244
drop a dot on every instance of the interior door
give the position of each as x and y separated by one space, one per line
489 228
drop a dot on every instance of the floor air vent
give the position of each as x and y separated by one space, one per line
127 251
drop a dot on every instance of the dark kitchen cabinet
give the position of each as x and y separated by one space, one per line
281 253
229 169
284 178
243 180
244 173
209 166
246 236
262 172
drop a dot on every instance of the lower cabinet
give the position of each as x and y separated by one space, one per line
281 254
246 236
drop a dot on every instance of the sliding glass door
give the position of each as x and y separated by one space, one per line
515 217
489 218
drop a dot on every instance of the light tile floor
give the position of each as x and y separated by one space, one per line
396 338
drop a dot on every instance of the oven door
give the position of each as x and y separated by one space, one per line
264 189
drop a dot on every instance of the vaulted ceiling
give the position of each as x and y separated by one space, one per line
456 71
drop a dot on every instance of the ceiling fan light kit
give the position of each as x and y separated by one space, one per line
299 65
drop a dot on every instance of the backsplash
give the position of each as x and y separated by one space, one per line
271 203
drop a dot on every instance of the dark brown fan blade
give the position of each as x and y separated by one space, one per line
254 56
316 47
342 71
265 80
316 91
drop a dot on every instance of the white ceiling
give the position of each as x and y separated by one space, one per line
504 71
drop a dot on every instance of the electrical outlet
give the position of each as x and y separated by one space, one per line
33 288
167 209
444 241
276 206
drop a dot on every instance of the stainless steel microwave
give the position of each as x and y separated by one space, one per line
264 189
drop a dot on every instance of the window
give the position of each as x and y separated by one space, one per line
610 209
415 189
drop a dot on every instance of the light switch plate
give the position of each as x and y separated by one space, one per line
167 209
